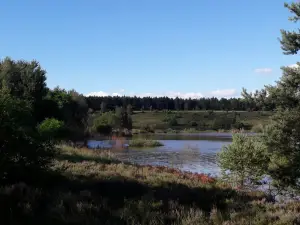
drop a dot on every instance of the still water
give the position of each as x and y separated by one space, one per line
187 152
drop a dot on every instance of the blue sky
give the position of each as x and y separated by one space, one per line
149 47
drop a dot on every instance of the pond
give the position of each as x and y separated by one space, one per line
187 152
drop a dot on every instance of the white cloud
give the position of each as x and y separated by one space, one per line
173 94
116 94
98 93
263 70
225 93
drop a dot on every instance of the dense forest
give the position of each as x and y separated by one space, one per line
165 103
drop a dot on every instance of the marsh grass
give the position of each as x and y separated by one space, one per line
92 191
84 154
144 143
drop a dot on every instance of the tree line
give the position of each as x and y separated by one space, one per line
108 103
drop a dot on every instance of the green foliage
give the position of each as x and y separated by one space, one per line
26 81
108 121
144 143
244 160
165 103
22 150
290 40
71 108
52 129
105 122
281 137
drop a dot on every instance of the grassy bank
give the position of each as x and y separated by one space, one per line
197 120
91 187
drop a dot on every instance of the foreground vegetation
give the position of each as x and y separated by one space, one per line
94 188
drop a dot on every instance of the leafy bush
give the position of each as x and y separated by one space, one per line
105 122
244 160
52 128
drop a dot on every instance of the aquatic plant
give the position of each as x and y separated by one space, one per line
144 143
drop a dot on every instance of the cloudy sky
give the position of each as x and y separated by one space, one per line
170 48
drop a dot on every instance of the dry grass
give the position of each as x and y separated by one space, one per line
93 188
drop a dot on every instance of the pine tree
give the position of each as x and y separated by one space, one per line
282 135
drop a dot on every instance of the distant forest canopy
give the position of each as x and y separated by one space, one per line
107 103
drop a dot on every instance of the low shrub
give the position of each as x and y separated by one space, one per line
52 128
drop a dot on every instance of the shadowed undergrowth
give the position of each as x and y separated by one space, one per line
94 188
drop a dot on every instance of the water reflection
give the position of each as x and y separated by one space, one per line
197 154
